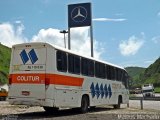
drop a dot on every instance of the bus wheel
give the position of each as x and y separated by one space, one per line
119 103
93 107
50 109
4 98
84 104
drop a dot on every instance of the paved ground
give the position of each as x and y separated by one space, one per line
151 111
147 105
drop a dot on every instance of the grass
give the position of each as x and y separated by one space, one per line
5 54
132 95
157 90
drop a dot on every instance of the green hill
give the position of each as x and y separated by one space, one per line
139 76
152 74
5 54
134 73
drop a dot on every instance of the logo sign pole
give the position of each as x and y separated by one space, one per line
79 15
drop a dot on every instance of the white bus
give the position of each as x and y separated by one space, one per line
53 77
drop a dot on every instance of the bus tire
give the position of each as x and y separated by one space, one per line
84 104
4 98
50 109
93 107
117 106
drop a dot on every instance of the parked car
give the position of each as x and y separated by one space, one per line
138 90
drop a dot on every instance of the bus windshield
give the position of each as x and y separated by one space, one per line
150 90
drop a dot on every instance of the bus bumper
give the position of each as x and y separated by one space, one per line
31 101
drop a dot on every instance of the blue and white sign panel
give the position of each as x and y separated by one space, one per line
79 15
31 55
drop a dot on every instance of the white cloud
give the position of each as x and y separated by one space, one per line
158 14
131 46
52 36
80 41
156 39
109 19
10 34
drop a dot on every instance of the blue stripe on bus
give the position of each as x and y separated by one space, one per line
101 90
24 57
33 56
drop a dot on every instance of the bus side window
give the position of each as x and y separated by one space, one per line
73 64
76 64
84 66
108 70
118 74
87 67
61 61
112 73
100 70
90 68
125 79
97 67
70 63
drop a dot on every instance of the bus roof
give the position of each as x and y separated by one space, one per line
62 49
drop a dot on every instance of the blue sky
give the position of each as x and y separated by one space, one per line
126 32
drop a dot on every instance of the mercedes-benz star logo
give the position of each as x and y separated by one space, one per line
79 14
